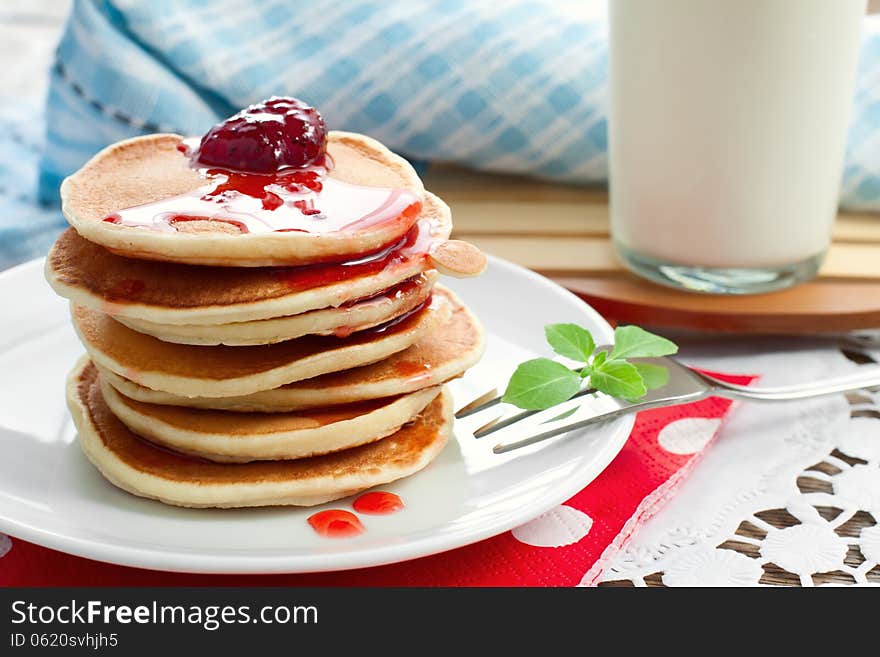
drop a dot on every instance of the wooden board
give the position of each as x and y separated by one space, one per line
563 232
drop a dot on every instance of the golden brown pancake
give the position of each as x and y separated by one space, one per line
197 371
228 436
170 293
151 168
459 259
143 469
444 354
342 321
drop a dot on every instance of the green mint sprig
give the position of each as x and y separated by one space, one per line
541 382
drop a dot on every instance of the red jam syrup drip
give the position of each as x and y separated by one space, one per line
416 244
409 286
335 523
411 368
378 503
400 319
303 199
346 331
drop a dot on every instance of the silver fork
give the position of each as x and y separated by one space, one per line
518 428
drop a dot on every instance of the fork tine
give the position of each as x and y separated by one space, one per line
488 424
481 403
502 448
513 419
497 424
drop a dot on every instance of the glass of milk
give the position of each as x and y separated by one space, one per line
727 133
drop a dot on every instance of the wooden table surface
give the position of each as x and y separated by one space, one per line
564 231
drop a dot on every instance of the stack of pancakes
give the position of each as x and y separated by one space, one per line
236 370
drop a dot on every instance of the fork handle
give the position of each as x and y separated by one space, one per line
868 377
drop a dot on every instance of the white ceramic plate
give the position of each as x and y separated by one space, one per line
51 495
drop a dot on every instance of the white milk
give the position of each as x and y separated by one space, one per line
728 127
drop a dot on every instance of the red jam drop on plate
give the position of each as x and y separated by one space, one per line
378 503
336 523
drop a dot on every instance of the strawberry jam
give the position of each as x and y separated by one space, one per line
415 245
411 368
266 170
378 503
263 138
336 523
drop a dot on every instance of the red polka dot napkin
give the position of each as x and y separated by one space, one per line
566 546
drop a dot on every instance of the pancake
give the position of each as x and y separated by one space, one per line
151 168
341 321
227 436
170 293
459 259
444 354
143 469
198 371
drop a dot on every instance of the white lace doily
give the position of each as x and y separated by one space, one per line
789 494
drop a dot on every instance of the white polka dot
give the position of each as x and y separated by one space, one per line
5 545
689 435
556 528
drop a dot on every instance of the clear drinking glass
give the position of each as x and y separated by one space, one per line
727 133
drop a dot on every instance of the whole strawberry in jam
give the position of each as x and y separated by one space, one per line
279 132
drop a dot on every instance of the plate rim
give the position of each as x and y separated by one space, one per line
174 560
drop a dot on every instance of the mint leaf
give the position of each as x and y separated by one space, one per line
541 383
654 376
570 340
598 359
635 342
618 379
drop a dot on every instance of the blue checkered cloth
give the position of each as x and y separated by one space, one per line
514 86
